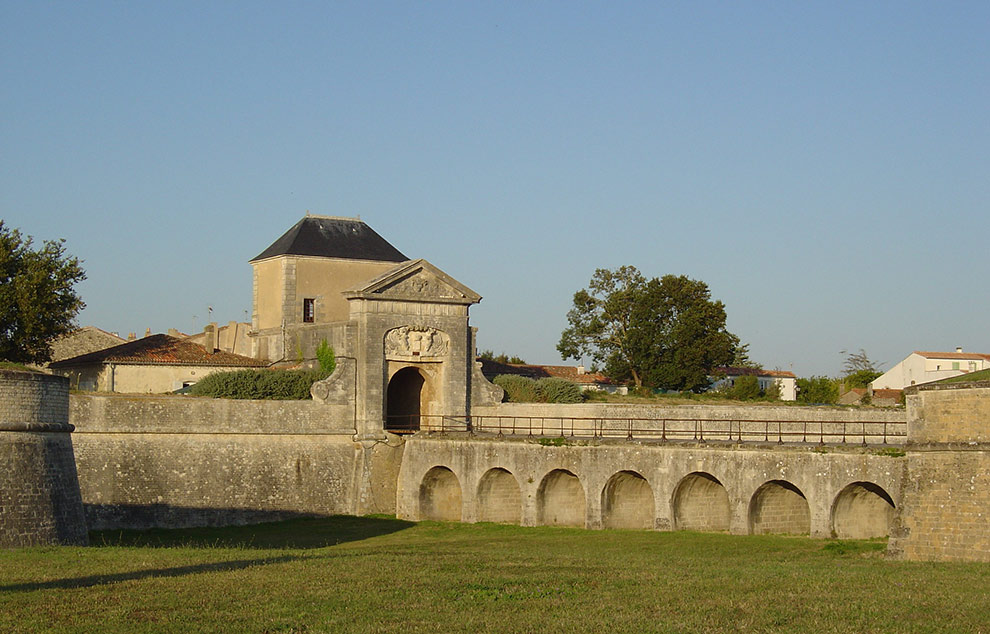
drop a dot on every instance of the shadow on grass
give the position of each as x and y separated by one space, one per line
300 533
99 580
296 534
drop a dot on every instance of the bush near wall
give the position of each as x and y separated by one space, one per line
278 385
521 389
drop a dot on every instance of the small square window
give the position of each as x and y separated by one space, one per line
309 310
955 365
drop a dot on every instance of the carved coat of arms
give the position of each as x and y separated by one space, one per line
416 341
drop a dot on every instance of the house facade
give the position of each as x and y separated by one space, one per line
299 281
924 367
151 365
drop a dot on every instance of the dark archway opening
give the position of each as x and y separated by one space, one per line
404 401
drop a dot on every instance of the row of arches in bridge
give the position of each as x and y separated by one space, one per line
699 502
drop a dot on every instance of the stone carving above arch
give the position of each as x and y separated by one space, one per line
416 342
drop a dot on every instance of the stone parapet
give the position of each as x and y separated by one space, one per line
945 515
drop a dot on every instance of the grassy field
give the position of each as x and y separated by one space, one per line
386 575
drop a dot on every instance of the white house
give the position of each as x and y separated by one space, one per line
787 381
925 367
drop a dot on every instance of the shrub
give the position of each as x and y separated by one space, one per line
745 388
279 385
818 389
557 390
518 389
327 358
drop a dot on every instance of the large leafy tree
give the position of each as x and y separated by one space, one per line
666 333
37 300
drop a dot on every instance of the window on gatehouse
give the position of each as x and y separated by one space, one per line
309 310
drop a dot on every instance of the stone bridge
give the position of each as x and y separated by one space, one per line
847 492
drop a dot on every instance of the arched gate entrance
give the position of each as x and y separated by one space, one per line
404 401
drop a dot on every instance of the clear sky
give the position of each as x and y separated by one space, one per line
823 166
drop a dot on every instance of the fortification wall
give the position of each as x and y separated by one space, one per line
752 423
184 461
739 489
946 510
39 492
711 412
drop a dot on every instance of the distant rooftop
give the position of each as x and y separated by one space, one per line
333 237
160 350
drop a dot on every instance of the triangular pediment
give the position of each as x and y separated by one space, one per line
416 281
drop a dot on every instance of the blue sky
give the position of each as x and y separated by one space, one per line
822 166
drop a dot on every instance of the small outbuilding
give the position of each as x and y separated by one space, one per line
153 364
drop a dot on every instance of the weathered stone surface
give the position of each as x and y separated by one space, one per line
39 492
945 514
182 461
606 482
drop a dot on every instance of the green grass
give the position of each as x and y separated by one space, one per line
385 575
980 375
20 367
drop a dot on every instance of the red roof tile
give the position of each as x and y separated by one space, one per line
161 350
953 355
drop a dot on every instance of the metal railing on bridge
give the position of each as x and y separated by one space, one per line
858 432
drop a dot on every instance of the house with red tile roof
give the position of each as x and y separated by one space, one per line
787 381
153 364
924 367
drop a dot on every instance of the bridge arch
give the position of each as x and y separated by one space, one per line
700 503
498 497
440 495
779 507
627 502
862 510
560 500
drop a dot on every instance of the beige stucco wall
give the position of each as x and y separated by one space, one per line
916 369
324 279
268 293
138 379
281 284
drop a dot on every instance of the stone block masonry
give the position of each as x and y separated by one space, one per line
183 461
39 492
946 509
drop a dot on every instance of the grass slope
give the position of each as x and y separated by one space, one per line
385 575
979 375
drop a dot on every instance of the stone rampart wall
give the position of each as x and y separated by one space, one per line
793 424
946 509
39 492
738 489
184 461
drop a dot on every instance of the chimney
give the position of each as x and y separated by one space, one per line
958 348
131 336
147 332
210 340
580 369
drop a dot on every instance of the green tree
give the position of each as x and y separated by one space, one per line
858 361
665 333
37 300
818 389
326 357
501 357
745 388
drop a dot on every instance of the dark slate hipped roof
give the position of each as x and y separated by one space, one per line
324 236
161 350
